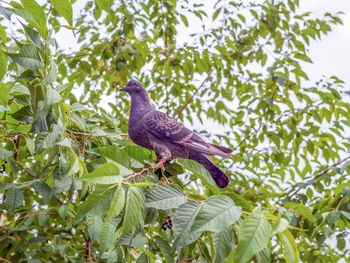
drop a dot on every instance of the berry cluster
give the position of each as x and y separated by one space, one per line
168 223
3 170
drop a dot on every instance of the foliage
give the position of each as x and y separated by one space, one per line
73 186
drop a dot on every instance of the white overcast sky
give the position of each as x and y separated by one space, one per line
331 54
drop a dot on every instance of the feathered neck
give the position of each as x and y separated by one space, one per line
140 104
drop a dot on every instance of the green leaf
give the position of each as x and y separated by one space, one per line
300 209
14 198
199 171
3 65
216 214
183 221
107 237
44 190
105 5
94 226
4 93
117 203
98 202
165 249
264 256
35 10
27 57
303 57
113 153
133 205
5 154
165 196
239 201
33 36
291 252
254 235
280 226
184 20
107 173
2 34
51 77
64 8
223 243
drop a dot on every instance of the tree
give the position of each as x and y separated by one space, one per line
74 188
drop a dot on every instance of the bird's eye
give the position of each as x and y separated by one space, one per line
132 84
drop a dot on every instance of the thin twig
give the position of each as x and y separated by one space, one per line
189 259
15 154
341 200
332 166
194 93
323 173
75 139
5 260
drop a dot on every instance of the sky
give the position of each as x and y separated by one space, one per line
331 55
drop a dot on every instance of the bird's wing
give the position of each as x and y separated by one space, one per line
166 128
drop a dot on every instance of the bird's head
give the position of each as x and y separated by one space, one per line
132 87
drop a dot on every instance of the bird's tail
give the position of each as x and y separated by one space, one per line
219 177
223 149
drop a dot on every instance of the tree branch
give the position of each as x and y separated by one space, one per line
195 92
323 173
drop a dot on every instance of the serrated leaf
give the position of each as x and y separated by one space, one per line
98 202
199 171
183 221
300 209
216 214
28 57
64 8
107 173
165 196
107 237
105 5
291 252
223 244
3 64
264 256
117 203
165 249
4 93
35 10
133 206
113 153
303 57
51 78
280 226
4 154
184 20
44 190
2 35
94 227
254 235
14 199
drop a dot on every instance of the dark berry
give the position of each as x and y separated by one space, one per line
5 161
164 228
15 141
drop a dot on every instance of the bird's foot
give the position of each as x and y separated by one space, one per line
161 164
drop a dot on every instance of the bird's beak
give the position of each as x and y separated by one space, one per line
123 88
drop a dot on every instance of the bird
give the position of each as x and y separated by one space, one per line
169 139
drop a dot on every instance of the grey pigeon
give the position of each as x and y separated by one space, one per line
157 131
